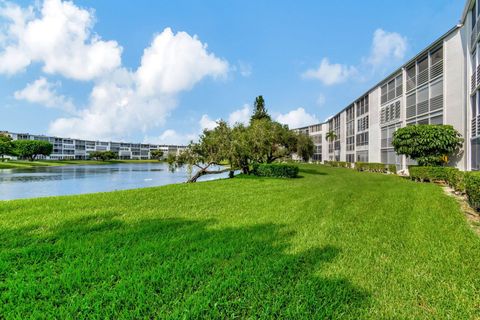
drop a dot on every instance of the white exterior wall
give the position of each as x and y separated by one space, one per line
457 108
70 149
374 127
455 90
343 135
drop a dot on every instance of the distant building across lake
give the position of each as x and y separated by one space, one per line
76 149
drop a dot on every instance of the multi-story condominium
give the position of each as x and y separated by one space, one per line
440 85
75 149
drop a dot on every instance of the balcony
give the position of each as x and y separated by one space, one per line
436 69
474 127
475 79
474 36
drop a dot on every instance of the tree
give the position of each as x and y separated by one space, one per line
263 141
305 147
156 154
429 145
31 149
6 145
213 148
103 155
241 148
270 140
331 136
259 110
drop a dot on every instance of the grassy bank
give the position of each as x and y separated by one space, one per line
333 244
19 164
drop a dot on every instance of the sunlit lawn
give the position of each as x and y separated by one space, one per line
332 244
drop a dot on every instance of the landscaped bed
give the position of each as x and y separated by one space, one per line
333 243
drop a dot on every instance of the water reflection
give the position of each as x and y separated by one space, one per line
53 181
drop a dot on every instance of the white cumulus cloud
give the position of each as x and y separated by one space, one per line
115 110
43 92
330 73
59 36
387 46
240 116
176 62
206 123
297 118
125 101
171 137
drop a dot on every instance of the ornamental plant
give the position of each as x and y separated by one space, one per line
429 145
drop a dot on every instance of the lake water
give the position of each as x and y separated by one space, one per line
67 180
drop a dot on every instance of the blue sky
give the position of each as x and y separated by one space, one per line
112 69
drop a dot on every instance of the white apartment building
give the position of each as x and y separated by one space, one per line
76 149
440 85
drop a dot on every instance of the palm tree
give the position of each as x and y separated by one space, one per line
331 136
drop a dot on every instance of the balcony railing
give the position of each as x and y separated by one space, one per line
475 79
474 127
422 77
436 70
475 33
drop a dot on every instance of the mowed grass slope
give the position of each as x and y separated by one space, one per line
332 244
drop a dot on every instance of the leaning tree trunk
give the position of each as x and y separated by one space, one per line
197 175
203 172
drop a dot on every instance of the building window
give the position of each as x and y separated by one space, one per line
411 77
316 128
476 154
422 71
350 113
362 139
392 89
362 106
351 143
362 156
390 112
383 94
362 124
398 86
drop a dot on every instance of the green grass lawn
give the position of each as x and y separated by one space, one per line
22 164
333 244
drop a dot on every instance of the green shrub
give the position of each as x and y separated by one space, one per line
419 173
472 189
364 166
455 179
338 164
371 167
392 168
278 170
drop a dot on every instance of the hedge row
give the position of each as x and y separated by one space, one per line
338 164
376 167
279 170
433 174
463 182
364 166
472 188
